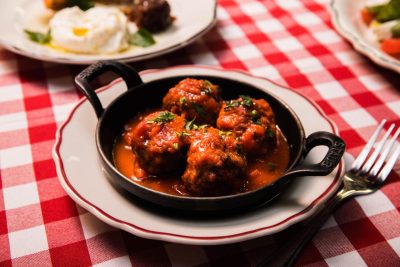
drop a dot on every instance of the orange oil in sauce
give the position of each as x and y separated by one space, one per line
260 171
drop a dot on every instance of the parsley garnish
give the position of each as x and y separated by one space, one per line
182 100
142 38
224 133
231 104
163 116
206 88
246 101
40 38
176 146
189 125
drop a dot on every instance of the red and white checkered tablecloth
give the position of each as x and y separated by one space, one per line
290 42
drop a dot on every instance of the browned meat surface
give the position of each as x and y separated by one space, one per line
252 121
194 99
157 143
154 15
214 164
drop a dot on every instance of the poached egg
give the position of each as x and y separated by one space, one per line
99 30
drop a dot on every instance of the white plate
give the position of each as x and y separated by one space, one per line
347 21
81 174
193 19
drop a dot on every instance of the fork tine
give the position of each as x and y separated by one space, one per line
364 153
383 174
371 160
385 154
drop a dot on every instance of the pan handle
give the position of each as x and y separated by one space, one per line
83 79
332 158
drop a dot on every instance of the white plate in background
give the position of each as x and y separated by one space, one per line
347 20
81 175
193 19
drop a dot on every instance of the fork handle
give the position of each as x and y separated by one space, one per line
286 255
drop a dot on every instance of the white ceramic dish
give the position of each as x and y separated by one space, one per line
347 21
193 19
81 176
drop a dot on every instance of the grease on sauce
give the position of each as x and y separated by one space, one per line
260 171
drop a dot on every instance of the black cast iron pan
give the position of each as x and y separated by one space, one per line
141 96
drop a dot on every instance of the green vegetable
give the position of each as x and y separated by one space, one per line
189 125
40 38
142 38
231 104
176 146
224 133
396 30
182 100
207 91
163 116
246 100
374 10
206 88
82 4
390 11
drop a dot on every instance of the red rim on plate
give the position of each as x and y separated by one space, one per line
77 195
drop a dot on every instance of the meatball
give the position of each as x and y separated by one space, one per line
214 164
157 143
194 99
252 121
154 15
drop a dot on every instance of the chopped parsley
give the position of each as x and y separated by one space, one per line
255 117
176 146
246 101
230 104
163 116
189 125
182 100
206 88
224 133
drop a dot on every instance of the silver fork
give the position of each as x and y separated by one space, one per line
368 172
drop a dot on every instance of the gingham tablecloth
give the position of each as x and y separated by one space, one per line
290 42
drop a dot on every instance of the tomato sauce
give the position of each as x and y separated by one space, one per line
261 170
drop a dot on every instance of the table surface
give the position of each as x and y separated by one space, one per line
290 42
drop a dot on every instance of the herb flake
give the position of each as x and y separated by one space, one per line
182 100
246 101
189 125
163 116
